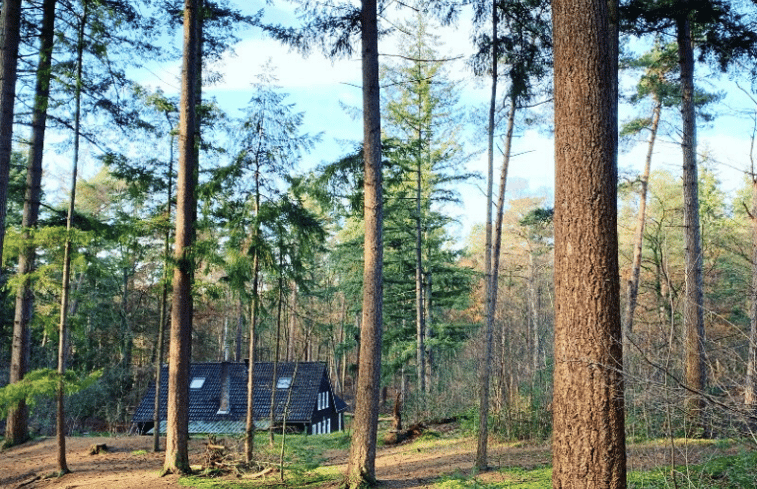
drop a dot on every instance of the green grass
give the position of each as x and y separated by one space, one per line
305 455
303 459
139 452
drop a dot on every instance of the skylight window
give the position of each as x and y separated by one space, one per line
197 383
284 383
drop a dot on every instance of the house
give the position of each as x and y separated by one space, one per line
218 398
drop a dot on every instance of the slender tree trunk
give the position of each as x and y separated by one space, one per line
249 435
420 319
693 309
533 309
274 378
163 304
17 430
180 351
292 325
10 24
589 437
64 298
485 368
633 280
362 460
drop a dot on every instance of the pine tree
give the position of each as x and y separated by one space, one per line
589 437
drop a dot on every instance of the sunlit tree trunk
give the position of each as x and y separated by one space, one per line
588 441
362 460
180 351
693 307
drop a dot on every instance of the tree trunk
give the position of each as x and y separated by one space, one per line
249 434
485 368
420 318
633 280
17 430
589 437
362 460
750 390
274 378
693 308
180 351
163 305
10 23
64 298
533 309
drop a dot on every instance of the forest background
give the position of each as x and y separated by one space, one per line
310 274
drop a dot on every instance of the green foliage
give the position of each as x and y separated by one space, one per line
40 384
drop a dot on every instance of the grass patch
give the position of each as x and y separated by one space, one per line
304 456
139 452
731 472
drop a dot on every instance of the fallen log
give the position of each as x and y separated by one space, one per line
98 448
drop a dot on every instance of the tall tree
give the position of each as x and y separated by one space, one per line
64 296
362 460
422 124
180 351
10 36
17 428
588 444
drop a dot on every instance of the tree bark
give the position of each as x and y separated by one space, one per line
10 24
693 308
362 460
589 437
180 351
485 369
17 430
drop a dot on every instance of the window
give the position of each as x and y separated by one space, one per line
284 383
197 383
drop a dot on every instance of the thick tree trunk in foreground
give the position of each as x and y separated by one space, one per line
589 437
180 351
17 430
693 307
362 461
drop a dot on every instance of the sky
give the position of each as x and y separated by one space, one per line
321 87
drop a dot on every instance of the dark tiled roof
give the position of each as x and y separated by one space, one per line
309 379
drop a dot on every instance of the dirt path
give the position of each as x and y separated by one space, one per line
129 464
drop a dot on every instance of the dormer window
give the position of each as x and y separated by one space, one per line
197 383
284 383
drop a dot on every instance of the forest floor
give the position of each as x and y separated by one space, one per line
129 463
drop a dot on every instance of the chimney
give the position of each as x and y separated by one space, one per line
223 406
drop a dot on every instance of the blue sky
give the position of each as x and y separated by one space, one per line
319 87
